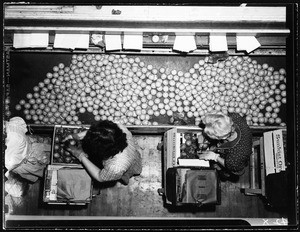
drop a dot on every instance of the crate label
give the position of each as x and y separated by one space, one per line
274 152
53 193
53 187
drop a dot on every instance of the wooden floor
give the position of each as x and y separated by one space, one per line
141 199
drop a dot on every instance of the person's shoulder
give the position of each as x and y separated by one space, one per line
237 116
121 126
118 162
124 129
239 120
234 115
14 135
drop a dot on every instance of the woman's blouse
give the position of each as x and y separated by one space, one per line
236 153
128 162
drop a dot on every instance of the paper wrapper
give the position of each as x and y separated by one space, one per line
73 184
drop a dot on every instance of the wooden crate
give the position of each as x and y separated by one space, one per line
51 177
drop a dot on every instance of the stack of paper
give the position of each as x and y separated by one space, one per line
184 43
217 43
113 42
71 41
133 41
193 163
247 43
31 40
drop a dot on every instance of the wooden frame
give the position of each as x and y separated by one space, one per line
147 19
257 164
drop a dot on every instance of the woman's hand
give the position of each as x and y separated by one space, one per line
76 137
201 138
209 155
71 136
76 151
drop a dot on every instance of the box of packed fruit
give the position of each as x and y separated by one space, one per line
66 182
182 146
59 155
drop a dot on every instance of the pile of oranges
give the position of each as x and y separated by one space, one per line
127 90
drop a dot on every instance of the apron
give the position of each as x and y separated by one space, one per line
32 167
25 154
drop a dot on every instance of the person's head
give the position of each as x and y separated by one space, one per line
16 124
102 141
218 126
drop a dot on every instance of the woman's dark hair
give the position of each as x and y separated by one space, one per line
102 141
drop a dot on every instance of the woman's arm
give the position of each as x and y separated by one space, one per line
125 130
210 155
110 172
220 160
81 135
78 136
91 168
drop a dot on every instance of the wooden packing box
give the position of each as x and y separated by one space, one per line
66 182
173 139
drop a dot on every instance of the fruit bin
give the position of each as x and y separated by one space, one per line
58 154
181 146
145 90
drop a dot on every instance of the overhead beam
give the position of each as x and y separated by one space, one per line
148 13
